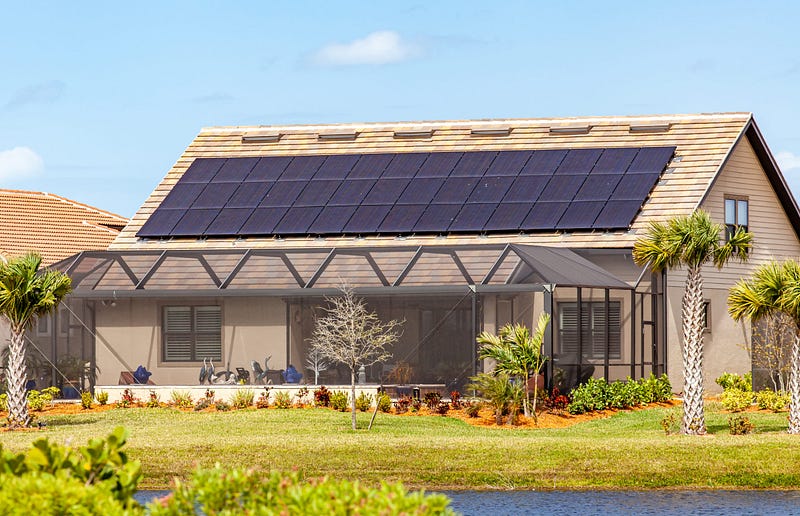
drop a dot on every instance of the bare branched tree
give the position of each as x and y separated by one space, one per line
350 334
772 348
317 362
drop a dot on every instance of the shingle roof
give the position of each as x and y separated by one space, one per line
702 141
52 225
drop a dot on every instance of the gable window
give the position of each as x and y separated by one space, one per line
736 213
191 333
593 329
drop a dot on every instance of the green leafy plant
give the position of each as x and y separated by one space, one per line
38 400
153 400
86 399
402 404
736 400
656 389
243 398
127 399
384 402
181 399
322 396
4 402
734 381
472 409
338 400
590 396
740 425
364 402
432 400
669 423
206 401
771 400
101 397
263 399
283 400
501 392
222 405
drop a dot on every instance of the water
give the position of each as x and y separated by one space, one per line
609 503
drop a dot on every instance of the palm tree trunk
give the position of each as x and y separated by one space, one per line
693 414
794 387
353 395
527 400
16 376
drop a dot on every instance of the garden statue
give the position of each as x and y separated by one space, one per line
291 375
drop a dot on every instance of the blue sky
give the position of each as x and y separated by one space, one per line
99 99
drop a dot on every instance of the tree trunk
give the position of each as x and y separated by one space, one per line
16 376
794 387
692 318
353 395
526 401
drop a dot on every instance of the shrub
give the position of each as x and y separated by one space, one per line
38 400
472 409
263 399
127 400
592 395
222 405
771 400
432 400
736 400
734 381
4 402
402 404
86 399
455 399
442 408
206 401
53 392
338 401
597 394
283 400
622 395
669 423
58 494
154 400
301 395
322 397
364 402
101 397
243 398
503 394
181 399
415 404
384 402
740 425
656 389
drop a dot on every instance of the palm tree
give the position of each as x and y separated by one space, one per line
690 241
517 353
774 288
26 293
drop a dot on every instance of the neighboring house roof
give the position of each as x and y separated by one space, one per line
54 226
702 145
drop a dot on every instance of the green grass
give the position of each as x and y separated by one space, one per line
628 450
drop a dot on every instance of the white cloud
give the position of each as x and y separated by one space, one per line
378 48
787 160
18 163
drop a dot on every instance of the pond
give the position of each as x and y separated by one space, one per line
610 503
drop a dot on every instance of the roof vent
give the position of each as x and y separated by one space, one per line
261 138
497 131
338 136
570 129
420 133
650 128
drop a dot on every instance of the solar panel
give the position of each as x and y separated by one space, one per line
297 220
182 195
508 217
302 167
336 167
473 164
405 165
579 161
235 170
526 189
421 190
317 192
634 187
366 219
614 161
580 215
617 215
332 220
283 193
215 195
562 188
228 221
249 194
402 220
543 162
437 218
544 215
439 164
263 221
491 189
598 187
202 170
386 191
508 163
473 217
370 166
352 192
194 222
455 190
651 159
269 168
160 223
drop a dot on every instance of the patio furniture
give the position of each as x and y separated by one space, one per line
127 378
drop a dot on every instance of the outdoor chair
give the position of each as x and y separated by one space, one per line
243 375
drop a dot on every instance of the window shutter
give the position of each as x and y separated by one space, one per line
192 333
208 327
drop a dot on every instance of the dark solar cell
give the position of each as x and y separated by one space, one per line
337 166
508 216
543 162
194 222
437 218
456 190
598 187
235 170
215 195
402 220
544 215
491 189
473 217
182 195
617 215
439 164
352 192
283 193
302 167
651 159
269 168
249 194
526 189
386 191
562 188
580 215
405 164
332 220
614 161
160 223
634 187
473 164
263 221
420 190
297 220
508 163
317 192
370 166
366 219
202 170
579 161
228 222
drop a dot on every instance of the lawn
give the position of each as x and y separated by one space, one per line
628 450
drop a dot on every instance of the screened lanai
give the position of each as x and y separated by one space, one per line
169 310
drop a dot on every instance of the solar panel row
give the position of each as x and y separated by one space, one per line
410 193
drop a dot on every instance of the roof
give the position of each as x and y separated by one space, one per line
702 143
53 226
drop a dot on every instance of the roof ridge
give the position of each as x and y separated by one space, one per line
4 191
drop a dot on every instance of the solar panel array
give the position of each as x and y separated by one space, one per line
405 193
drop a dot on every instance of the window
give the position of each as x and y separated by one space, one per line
707 316
191 333
736 213
593 328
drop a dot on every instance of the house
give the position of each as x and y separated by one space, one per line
56 228
454 227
